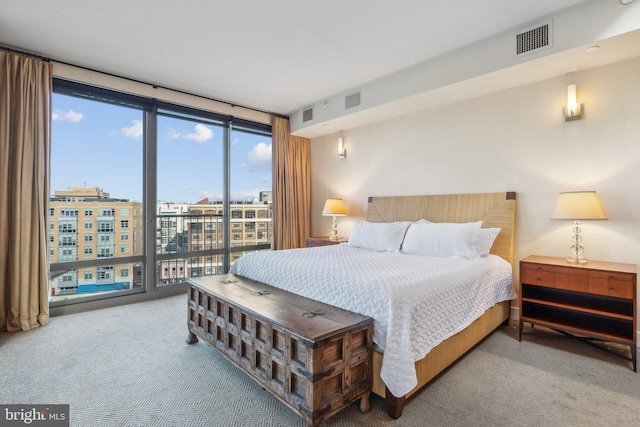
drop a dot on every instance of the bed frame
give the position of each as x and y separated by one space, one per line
495 210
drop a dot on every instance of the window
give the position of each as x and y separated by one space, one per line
88 275
52 251
67 240
105 226
105 253
87 119
67 227
52 238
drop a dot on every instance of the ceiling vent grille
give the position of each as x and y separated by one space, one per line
307 114
352 100
534 39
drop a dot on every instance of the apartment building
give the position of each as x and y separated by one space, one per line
87 224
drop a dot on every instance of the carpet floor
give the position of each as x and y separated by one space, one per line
130 366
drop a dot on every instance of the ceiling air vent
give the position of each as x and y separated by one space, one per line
352 100
534 39
307 114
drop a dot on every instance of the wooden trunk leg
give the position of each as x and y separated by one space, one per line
395 405
192 338
365 405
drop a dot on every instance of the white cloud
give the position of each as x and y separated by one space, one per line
201 134
66 116
212 195
133 131
244 195
260 157
172 134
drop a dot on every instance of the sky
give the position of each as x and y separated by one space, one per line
94 144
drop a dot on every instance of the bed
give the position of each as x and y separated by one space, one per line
413 341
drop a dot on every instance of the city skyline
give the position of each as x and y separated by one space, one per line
95 144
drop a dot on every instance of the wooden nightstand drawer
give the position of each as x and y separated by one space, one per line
613 288
609 283
548 278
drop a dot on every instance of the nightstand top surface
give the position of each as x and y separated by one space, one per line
340 239
591 265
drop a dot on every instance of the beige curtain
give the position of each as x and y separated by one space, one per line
25 134
291 187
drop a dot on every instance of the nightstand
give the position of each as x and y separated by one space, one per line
595 301
324 241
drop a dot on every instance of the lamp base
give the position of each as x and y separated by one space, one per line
580 260
334 229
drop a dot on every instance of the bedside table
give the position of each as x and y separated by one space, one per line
592 302
324 241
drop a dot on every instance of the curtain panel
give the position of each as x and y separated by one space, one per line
291 187
25 140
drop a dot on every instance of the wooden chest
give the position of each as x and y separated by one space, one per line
314 357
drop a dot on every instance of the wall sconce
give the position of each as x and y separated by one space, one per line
342 152
578 205
573 111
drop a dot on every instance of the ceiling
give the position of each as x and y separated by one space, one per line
276 56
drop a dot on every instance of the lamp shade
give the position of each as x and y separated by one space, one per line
334 207
578 205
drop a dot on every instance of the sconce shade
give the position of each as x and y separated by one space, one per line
573 110
578 205
342 152
334 207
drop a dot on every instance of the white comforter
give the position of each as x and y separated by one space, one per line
416 301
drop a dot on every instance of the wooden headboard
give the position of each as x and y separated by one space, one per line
494 209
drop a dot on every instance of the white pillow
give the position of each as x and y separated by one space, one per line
485 239
442 239
378 236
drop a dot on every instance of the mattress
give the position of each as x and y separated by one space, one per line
416 301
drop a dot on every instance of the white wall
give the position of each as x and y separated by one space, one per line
514 140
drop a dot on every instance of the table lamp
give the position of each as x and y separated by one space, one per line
334 207
577 205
